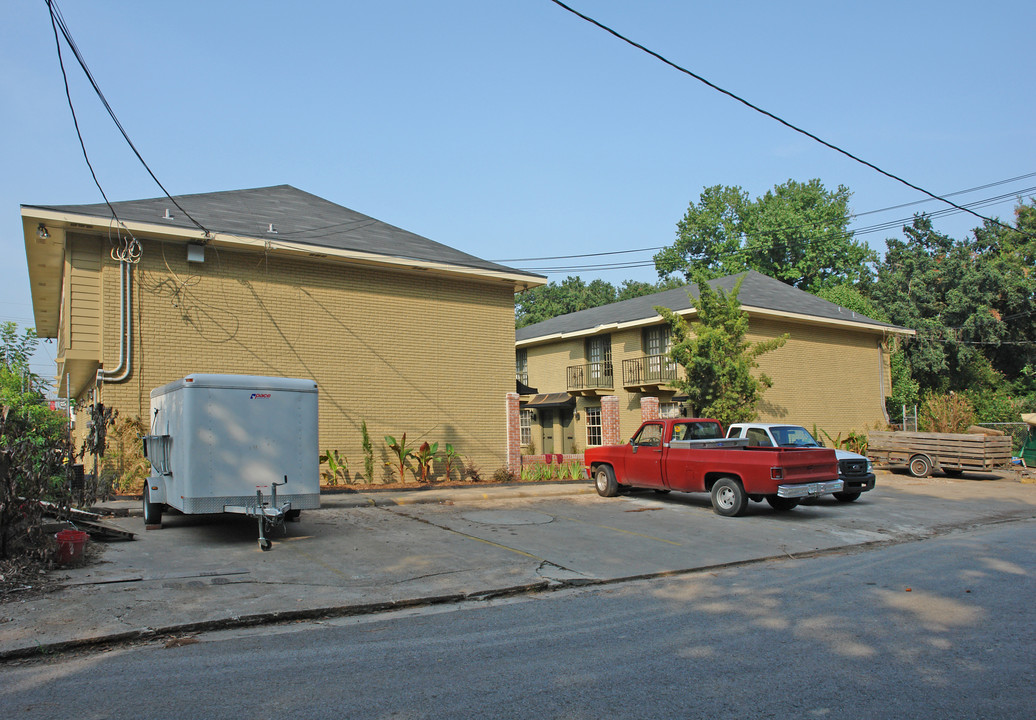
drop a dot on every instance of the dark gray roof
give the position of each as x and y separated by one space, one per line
757 290
298 217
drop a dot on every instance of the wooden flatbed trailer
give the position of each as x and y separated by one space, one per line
952 453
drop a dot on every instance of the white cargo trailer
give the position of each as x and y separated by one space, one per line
242 444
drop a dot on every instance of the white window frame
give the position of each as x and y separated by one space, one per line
525 427
594 427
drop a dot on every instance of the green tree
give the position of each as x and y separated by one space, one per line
717 358
797 233
971 302
573 294
33 448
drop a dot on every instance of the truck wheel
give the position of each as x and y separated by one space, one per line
846 496
782 504
152 511
920 466
728 497
604 479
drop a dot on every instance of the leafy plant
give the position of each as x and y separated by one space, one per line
368 454
472 471
403 455
449 457
337 466
123 465
503 475
424 456
949 413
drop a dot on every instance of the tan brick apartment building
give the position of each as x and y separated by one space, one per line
397 330
833 371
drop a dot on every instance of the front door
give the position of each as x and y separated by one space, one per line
568 430
644 464
547 423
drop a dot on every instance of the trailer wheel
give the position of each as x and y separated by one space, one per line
728 497
152 511
292 515
604 479
265 544
846 496
920 466
782 504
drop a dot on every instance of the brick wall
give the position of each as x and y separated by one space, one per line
427 355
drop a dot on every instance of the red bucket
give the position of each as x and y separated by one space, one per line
70 546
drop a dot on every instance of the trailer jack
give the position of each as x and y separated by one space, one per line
268 514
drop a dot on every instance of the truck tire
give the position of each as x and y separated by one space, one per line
152 511
782 504
920 466
728 497
846 496
604 479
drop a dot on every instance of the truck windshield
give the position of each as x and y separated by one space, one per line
793 436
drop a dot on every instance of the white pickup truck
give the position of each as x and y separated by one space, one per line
853 470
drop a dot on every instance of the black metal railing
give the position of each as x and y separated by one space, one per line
648 370
592 376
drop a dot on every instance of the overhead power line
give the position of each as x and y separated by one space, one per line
57 22
772 116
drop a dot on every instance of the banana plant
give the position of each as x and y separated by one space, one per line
403 454
424 456
337 465
449 456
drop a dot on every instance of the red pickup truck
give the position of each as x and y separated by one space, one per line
691 455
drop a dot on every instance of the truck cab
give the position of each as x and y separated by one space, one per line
854 470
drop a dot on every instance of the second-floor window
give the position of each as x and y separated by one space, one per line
521 366
599 356
657 343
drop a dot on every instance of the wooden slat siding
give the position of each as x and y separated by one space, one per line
84 285
953 450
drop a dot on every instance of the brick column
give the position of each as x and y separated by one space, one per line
610 419
514 434
648 408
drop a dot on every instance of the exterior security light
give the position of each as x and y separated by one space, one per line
41 232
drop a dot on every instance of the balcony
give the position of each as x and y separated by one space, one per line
648 373
591 378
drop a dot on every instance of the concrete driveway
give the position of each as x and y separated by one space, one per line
368 553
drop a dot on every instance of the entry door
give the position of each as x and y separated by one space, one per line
567 430
547 423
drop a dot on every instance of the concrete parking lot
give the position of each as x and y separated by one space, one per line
370 552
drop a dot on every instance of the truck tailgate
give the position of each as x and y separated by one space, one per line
808 465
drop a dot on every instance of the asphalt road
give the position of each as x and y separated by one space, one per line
935 628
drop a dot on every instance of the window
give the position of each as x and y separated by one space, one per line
657 343
525 427
593 426
649 436
757 436
670 410
521 366
599 357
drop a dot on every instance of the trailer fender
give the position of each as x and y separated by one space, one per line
921 465
156 488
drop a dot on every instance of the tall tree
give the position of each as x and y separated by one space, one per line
573 294
971 302
797 233
717 359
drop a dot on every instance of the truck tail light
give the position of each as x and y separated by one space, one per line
776 473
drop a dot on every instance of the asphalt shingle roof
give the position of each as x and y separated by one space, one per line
757 290
298 216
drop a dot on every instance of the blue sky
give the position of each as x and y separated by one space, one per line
513 129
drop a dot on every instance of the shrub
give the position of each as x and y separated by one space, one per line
368 454
472 471
949 413
503 475
123 465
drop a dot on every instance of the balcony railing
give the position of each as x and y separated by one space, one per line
522 377
592 376
648 370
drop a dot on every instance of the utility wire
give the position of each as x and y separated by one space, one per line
58 22
770 115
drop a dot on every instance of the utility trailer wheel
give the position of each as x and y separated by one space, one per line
152 511
265 544
604 480
293 515
728 497
920 466
782 504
